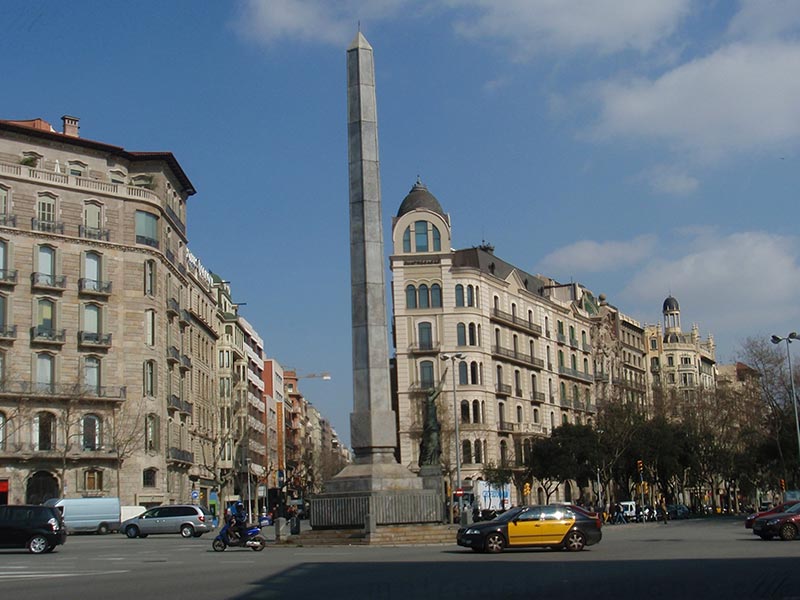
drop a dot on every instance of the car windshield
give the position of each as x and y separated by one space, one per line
509 515
794 508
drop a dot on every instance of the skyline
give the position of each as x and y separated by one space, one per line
640 149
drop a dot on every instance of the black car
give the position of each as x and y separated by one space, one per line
554 525
37 528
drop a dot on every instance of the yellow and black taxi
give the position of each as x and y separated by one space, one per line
554 525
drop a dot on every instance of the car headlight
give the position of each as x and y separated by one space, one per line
472 531
772 522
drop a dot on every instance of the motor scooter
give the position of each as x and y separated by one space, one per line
252 539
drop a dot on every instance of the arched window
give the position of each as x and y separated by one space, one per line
470 296
461 334
575 396
91 322
426 374
517 382
499 376
90 432
526 451
478 452
466 452
91 375
586 365
149 378
572 334
92 272
476 411
564 419
535 415
472 338
150 327
407 240
519 414
150 278
463 373
425 336
437 238
92 220
421 236
149 478
497 337
436 296
563 389
459 295
151 433
411 296
3 428
561 358
44 431
473 373
46 318
424 300
45 372
573 362
503 453
534 385
465 411
552 420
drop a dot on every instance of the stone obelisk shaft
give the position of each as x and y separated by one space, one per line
372 423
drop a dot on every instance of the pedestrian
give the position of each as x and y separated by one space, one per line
663 507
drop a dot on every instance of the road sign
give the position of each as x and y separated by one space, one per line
195 494
459 492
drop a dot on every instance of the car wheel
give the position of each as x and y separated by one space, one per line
262 543
38 544
494 543
187 531
788 532
132 531
765 536
218 545
575 541
103 529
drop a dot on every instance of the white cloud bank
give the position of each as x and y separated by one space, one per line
588 256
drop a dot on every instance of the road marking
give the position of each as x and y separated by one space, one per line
46 575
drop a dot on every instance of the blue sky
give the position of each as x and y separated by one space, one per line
640 147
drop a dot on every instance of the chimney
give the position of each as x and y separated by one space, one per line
70 125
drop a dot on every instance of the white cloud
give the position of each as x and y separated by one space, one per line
588 256
765 19
735 283
604 26
740 97
669 180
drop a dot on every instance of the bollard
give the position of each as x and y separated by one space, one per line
281 531
370 524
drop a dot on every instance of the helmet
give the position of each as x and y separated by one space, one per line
238 507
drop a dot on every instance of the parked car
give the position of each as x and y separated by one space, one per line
785 524
190 520
37 528
528 526
628 510
96 515
678 511
748 522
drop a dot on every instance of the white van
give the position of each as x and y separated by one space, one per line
100 515
628 510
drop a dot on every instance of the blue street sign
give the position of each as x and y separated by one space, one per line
195 494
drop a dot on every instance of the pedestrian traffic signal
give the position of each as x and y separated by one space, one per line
639 466
783 485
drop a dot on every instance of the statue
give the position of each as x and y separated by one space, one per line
430 449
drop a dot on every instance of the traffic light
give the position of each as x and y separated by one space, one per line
526 489
639 466
646 488
783 485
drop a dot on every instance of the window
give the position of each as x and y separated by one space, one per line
466 452
461 334
151 433
44 431
4 193
46 265
150 327
407 240
670 361
411 296
91 272
426 374
150 278
436 296
423 296
90 432
46 212
117 176
472 338
437 238
93 480
146 229
425 336
91 322
92 220
5 274
421 236
149 478
91 374
459 295
653 344
465 411
478 452
470 296
77 168
503 453
519 414
535 415
45 372
149 380
3 426
463 373
473 373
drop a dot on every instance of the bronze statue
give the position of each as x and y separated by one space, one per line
430 448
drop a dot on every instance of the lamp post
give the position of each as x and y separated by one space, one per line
788 339
249 497
453 358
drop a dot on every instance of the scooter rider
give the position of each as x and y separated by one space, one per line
238 521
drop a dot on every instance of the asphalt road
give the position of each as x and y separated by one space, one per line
708 559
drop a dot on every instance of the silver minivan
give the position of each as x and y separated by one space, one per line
189 520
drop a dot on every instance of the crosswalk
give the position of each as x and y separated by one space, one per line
17 573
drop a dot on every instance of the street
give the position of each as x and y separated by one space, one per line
712 558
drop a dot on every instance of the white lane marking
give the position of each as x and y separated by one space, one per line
44 575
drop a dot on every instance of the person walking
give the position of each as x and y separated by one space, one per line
663 507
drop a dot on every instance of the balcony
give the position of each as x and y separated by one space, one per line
173 307
574 343
565 403
8 220
170 254
507 426
18 388
47 335
518 357
601 377
185 317
46 281
93 339
538 396
176 220
8 277
8 333
147 241
47 226
173 402
516 322
575 374
421 387
655 368
502 389
93 233
180 456
173 355
94 287
561 338
186 408
424 347
186 363
587 347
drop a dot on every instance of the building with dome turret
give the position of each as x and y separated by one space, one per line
680 364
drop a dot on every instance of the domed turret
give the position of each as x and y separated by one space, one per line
670 305
672 317
420 197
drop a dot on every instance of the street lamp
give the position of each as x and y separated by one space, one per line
453 358
788 339
249 497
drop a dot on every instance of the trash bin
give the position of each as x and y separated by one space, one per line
294 526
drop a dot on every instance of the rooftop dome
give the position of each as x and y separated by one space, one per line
670 305
420 197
